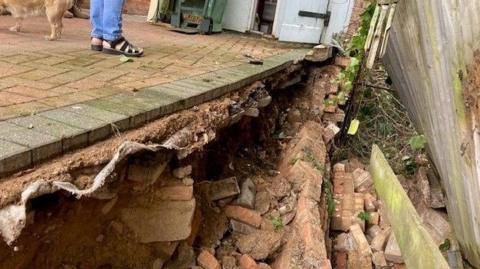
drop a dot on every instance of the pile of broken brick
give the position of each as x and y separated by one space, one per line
363 236
275 221
270 220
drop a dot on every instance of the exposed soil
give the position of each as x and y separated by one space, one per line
64 232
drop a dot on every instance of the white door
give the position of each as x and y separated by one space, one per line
298 20
239 15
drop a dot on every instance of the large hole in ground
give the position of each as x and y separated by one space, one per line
130 224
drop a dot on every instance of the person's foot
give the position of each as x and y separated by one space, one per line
121 47
96 44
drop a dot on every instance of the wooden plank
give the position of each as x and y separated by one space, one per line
386 33
371 31
372 54
417 246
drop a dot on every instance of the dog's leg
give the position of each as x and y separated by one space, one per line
55 16
18 25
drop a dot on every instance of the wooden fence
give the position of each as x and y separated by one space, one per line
430 47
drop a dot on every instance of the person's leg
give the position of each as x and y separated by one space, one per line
113 40
112 19
96 15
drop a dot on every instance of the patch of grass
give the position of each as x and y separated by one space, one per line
445 246
365 216
277 223
328 189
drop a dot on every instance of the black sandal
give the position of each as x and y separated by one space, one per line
126 48
96 47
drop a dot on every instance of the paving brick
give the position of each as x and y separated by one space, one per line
68 76
154 104
43 146
9 98
20 110
13 157
37 76
137 114
31 92
71 137
120 121
97 129
43 73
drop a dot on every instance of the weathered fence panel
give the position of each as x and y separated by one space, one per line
417 246
431 45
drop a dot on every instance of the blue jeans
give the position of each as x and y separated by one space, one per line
106 19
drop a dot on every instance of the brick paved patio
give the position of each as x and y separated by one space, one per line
58 96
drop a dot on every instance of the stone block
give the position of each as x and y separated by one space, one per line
362 180
222 189
161 221
378 259
392 250
247 194
380 240
360 240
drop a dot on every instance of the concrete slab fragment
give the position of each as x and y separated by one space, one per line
162 221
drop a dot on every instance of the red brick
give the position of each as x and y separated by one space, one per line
8 98
246 262
360 240
303 174
307 147
31 92
340 260
244 215
343 183
362 180
207 261
347 207
311 233
175 193
369 203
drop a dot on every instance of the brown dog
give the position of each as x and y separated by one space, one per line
54 9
